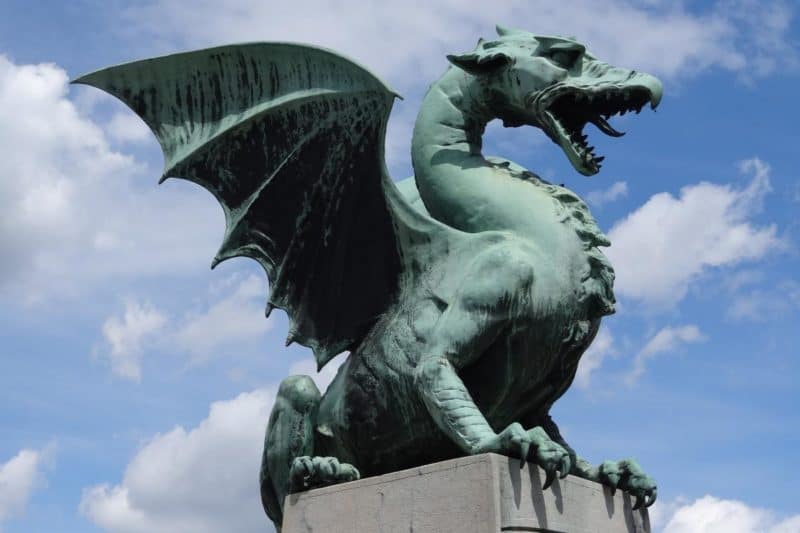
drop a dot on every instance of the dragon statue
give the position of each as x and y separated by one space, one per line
465 295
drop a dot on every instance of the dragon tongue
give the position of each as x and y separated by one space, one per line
605 127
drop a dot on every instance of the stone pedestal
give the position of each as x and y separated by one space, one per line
485 493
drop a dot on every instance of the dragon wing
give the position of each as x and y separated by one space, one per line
289 139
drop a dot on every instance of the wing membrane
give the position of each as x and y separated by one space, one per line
289 139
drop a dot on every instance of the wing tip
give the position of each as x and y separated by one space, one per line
87 79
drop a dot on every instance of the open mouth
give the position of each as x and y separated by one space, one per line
567 111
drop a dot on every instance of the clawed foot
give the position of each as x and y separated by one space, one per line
629 476
314 472
533 445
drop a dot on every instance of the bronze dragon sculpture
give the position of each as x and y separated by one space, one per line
465 295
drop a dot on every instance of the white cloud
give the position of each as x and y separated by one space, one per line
592 359
743 278
19 476
666 244
128 335
127 127
74 215
230 321
667 339
711 515
411 37
44 144
616 191
765 28
201 480
762 304
235 319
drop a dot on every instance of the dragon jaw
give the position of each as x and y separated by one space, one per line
555 84
563 110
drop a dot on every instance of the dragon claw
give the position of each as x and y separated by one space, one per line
628 476
639 502
566 466
533 445
525 448
551 476
312 472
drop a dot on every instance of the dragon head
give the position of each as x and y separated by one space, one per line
554 84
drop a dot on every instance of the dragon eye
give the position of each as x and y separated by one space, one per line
564 58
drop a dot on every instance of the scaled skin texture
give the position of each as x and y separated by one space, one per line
465 295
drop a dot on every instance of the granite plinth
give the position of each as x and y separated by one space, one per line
479 494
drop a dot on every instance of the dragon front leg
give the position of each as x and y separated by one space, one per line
480 310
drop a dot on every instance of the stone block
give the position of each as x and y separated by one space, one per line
485 493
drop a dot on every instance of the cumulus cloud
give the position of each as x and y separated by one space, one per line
616 191
236 318
230 321
760 304
710 515
74 215
410 38
668 243
766 28
128 128
601 348
667 339
204 479
19 476
128 335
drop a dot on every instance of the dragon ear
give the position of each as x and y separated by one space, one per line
503 31
477 63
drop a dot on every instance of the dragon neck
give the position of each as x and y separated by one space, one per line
462 188
446 151
466 191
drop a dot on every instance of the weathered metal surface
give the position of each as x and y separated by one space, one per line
466 295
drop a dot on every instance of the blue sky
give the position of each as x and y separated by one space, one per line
135 383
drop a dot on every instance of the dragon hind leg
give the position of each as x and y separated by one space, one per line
288 463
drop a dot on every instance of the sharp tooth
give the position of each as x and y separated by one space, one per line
638 110
584 137
599 160
623 112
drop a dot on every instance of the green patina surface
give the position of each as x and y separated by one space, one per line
465 295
